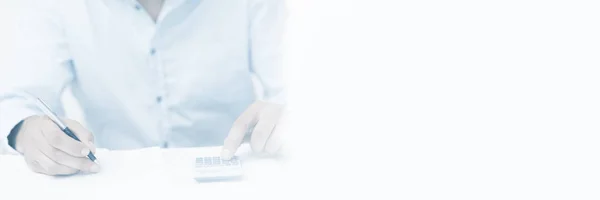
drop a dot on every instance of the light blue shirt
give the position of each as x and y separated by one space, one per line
179 82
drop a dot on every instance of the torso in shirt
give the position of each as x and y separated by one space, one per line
179 82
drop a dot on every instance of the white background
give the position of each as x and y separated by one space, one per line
452 99
445 99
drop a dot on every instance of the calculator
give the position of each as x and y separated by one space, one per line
210 169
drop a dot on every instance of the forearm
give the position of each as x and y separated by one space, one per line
268 18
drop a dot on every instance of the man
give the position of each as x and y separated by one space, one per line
170 73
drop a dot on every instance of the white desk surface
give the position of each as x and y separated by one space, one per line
151 173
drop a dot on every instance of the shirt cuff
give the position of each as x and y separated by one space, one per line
279 98
11 113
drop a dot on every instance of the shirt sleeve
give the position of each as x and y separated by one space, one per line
267 29
39 67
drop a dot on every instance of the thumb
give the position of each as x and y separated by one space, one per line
85 136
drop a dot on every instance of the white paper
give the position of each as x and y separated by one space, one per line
148 170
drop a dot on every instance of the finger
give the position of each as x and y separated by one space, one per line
58 139
275 141
238 130
260 135
82 133
43 164
269 117
92 147
61 157
33 164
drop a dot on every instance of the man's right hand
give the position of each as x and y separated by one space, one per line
48 150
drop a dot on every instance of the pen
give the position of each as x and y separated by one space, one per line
60 124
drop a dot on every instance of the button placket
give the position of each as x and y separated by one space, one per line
160 97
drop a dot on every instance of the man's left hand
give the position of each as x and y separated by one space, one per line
267 120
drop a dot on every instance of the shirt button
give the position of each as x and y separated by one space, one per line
158 99
138 7
152 51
